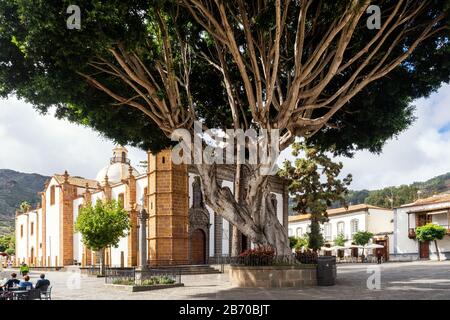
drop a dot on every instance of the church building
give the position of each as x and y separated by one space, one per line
181 228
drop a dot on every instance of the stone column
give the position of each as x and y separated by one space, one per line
143 216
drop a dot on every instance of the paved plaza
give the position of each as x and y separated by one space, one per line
407 280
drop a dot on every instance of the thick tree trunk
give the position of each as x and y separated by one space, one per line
235 240
255 217
102 261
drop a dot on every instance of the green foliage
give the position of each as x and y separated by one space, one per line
302 243
314 186
102 225
298 243
315 237
158 280
430 232
7 244
24 206
293 241
340 240
362 237
40 60
393 196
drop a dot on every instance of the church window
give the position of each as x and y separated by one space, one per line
145 197
197 197
52 195
121 198
32 228
21 230
163 159
354 226
124 157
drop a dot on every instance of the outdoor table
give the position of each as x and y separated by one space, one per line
19 293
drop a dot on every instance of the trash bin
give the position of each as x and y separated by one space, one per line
326 271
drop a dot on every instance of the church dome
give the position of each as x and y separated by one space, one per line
118 168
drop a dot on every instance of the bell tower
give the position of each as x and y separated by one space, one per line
168 202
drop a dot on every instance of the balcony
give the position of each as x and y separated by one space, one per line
120 160
412 231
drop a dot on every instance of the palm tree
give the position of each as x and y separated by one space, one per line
25 207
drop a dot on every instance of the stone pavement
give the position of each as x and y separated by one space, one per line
406 280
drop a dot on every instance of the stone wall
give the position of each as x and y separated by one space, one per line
273 276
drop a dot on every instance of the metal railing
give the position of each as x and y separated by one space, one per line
131 276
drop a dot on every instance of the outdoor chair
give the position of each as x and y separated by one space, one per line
47 294
34 294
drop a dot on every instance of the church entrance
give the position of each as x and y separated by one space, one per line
198 243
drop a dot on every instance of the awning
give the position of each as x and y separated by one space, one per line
430 212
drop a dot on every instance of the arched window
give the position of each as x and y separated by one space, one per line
146 198
327 231
52 195
124 157
197 196
354 226
121 199
299 232
32 229
340 227
21 230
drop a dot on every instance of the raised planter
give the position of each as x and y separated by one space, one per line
136 288
273 276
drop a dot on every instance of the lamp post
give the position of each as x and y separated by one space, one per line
143 216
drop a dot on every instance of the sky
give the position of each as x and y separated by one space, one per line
35 143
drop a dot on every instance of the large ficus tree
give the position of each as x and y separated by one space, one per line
138 70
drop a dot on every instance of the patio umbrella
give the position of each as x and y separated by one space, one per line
355 246
373 246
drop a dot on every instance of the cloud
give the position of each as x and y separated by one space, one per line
30 142
418 154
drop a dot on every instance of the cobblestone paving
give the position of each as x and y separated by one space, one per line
411 280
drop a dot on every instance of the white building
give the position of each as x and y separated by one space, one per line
410 216
348 221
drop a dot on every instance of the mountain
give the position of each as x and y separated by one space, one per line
16 187
395 196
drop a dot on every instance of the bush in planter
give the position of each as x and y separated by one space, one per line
259 256
306 257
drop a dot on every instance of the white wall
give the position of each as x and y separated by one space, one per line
52 221
380 221
77 244
141 184
21 241
334 220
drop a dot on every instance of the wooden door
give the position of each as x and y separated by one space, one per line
198 245
424 249
384 251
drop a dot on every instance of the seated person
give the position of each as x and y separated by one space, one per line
26 283
10 283
42 283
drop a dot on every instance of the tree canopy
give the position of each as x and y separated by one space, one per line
42 61
102 225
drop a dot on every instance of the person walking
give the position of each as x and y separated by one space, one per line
379 256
